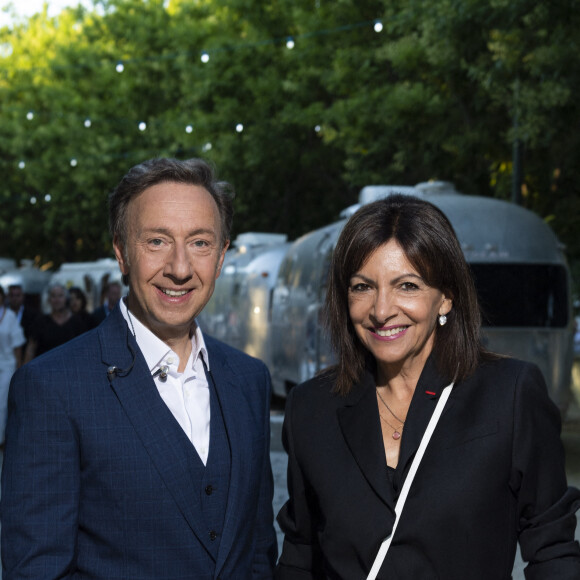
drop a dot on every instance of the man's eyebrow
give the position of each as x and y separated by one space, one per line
167 232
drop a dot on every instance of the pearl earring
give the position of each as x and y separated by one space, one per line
442 320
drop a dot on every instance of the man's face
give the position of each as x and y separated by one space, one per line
57 298
172 257
15 297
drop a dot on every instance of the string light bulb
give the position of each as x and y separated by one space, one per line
142 126
5 50
378 26
120 67
204 57
290 43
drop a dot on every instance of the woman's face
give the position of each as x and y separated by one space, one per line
75 303
393 310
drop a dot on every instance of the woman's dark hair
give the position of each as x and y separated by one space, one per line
429 242
162 170
76 291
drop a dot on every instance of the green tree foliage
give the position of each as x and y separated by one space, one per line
299 103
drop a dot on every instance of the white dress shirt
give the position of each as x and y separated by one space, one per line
186 394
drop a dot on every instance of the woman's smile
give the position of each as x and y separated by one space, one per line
393 332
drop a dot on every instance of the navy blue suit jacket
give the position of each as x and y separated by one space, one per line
96 483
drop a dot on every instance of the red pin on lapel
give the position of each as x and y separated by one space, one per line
430 393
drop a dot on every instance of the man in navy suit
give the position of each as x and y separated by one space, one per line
140 450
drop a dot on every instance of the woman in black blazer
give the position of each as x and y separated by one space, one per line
403 317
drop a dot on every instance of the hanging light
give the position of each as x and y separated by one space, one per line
5 50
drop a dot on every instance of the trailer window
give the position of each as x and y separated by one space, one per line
522 294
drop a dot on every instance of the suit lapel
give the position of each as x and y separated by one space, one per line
161 435
359 421
427 393
360 424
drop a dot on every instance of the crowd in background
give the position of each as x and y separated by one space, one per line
26 333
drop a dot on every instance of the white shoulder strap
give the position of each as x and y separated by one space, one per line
409 480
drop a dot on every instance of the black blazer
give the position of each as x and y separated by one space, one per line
493 474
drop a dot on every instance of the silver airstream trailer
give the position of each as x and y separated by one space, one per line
32 279
7 264
240 309
519 267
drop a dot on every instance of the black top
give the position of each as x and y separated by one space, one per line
48 334
390 474
88 320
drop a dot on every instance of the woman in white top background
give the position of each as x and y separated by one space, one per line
11 342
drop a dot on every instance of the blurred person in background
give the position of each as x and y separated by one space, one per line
26 315
52 330
78 306
11 342
113 294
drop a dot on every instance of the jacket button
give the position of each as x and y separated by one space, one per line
212 535
209 490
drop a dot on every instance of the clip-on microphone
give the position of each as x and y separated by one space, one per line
113 371
161 372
